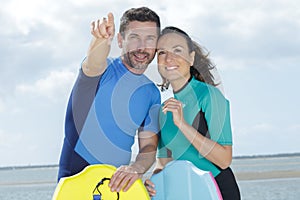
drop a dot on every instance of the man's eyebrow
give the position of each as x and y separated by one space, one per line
161 48
132 33
152 36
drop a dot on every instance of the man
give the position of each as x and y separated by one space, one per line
112 100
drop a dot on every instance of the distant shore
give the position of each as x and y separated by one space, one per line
240 176
267 155
28 167
235 157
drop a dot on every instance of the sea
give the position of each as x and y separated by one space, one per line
259 178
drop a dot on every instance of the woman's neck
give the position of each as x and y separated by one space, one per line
179 84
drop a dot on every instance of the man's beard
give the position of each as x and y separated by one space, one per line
131 62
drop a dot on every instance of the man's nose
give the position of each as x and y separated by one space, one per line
141 45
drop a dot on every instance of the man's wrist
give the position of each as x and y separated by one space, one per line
138 168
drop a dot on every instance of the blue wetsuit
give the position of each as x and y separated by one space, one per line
103 116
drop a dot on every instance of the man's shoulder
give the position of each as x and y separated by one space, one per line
151 84
113 62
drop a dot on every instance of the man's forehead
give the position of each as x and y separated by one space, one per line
141 27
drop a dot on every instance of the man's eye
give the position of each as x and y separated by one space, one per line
161 53
151 39
132 37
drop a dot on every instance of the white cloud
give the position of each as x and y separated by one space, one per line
53 86
247 34
263 127
2 106
43 42
25 15
295 128
266 138
7 141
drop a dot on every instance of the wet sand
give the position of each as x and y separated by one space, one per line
267 175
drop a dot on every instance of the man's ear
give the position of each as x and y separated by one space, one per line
120 40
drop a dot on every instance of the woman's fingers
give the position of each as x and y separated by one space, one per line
150 187
172 105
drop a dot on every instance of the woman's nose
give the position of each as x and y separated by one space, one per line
169 57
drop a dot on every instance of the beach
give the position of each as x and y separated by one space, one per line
242 176
272 178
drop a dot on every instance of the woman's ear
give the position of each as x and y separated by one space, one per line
192 57
120 40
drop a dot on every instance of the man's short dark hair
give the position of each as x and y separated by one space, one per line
142 14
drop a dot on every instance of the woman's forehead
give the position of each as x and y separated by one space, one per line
171 39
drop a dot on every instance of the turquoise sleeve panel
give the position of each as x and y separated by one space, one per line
217 114
162 151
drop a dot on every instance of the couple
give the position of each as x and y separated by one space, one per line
112 100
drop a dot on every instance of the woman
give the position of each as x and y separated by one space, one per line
195 124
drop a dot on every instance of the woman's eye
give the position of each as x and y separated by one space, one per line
177 51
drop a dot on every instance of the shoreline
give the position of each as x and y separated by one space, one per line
280 155
241 176
246 176
252 164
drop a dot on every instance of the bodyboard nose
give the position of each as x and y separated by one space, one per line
82 186
181 179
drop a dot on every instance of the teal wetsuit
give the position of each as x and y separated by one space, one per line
207 110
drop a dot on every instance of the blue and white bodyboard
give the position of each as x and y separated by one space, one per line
183 180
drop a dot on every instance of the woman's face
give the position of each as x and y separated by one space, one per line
173 57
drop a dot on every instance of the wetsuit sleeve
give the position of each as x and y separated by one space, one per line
79 104
151 122
83 95
163 151
217 113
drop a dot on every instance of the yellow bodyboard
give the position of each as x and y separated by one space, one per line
82 186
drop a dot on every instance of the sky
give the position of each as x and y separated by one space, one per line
255 45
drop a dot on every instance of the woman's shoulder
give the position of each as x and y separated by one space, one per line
207 92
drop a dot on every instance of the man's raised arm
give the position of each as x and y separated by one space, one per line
103 32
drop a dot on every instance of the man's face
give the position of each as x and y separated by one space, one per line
138 45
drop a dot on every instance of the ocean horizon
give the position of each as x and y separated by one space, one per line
234 158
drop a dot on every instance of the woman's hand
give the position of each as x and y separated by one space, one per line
174 106
150 187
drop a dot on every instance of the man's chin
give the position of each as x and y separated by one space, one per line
136 66
139 70
141 67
